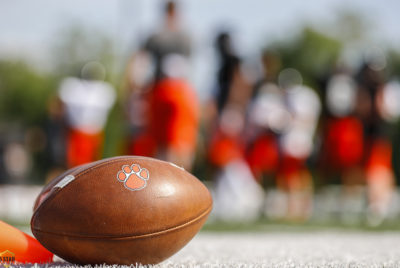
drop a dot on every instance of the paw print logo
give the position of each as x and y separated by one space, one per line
134 177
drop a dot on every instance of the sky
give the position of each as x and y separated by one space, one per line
30 28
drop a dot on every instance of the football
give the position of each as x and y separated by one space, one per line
121 210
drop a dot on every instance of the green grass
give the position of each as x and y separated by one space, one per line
264 225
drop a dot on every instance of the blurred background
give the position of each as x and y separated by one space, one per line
288 111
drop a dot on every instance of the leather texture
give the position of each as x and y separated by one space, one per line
97 218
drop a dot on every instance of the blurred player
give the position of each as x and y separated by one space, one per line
231 97
268 117
297 143
167 102
342 130
228 72
172 118
171 38
238 196
375 112
87 102
135 98
174 114
56 131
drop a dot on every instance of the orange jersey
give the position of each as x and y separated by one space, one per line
82 147
174 115
344 143
263 155
224 149
380 156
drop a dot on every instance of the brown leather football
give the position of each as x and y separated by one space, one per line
121 210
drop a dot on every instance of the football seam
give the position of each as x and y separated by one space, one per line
79 174
128 237
122 158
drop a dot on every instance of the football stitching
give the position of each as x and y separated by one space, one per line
104 162
200 217
133 172
93 166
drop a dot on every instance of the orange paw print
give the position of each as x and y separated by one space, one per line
134 177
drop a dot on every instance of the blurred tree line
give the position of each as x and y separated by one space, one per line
23 93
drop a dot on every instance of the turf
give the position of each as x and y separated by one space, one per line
331 248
